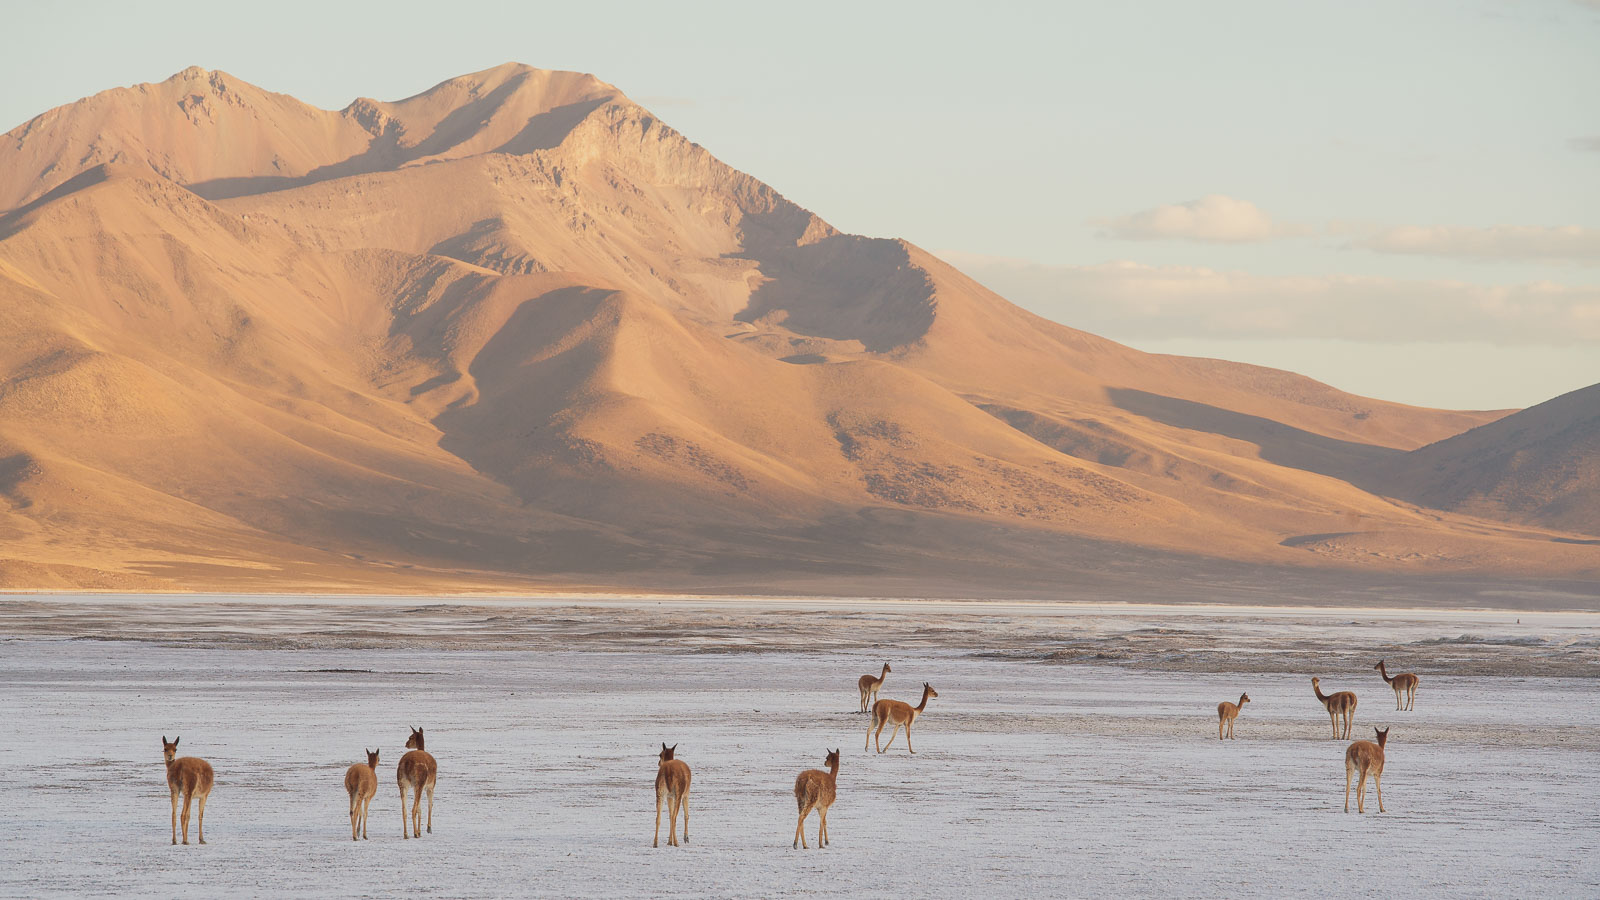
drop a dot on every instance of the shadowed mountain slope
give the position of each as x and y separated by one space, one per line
1540 465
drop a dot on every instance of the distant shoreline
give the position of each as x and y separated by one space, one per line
800 603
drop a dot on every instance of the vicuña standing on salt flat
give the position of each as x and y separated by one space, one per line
192 777
1339 706
869 685
897 713
1365 758
361 783
1227 713
418 771
816 789
672 785
1405 683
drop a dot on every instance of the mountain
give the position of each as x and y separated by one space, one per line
516 331
1540 466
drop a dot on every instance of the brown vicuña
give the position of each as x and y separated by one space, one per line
418 771
869 685
1362 759
361 783
1227 713
1342 704
1403 683
192 777
897 713
815 789
672 785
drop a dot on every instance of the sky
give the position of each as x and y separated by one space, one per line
1400 198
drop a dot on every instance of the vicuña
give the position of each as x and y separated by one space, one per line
672 785
1339 706
1227 713
897 713
418 771
361 783
1404 683
815 789
192 777
1362 759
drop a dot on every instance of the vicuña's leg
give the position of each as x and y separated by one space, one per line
891 737
685 803
822 830
187 796
1377 782
800 830
174 817
355 804
430 807
405 817
656 842
870 725
1347 785
908 738
201 824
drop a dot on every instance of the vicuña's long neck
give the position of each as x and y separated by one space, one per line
833 771
885 673
1320 695
1385 673
924 704
419 743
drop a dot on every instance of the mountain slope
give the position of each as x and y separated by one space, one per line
515 328
1540 466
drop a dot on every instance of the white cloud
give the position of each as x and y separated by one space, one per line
1569 243
1214 218
1127 301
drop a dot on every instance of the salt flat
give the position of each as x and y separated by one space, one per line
1041 770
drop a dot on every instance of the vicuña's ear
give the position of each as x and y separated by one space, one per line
163 740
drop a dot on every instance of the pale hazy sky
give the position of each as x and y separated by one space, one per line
1399 198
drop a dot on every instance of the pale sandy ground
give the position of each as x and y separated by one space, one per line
1034 776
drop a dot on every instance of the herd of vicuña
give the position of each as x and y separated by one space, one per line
191 778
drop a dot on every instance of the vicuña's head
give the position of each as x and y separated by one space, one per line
169 749
1244 698
1379 665
666 752
928 689
372 758
415 741
832 760
1383 736
886 668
